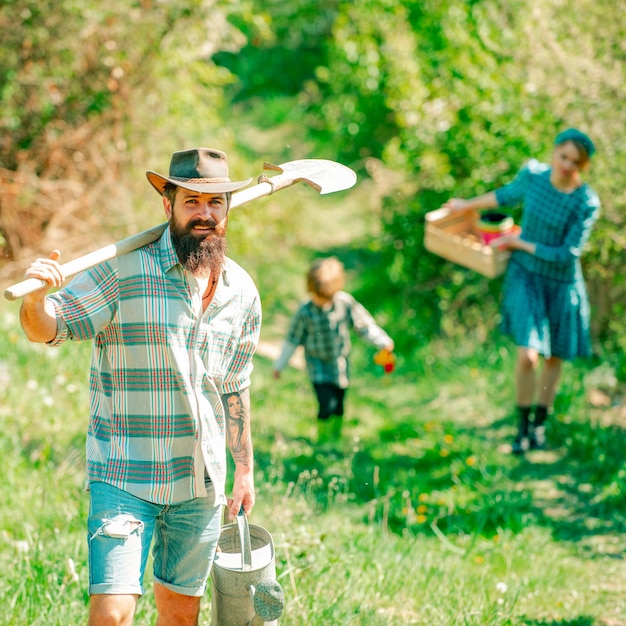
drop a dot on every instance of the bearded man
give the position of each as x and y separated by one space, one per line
174 327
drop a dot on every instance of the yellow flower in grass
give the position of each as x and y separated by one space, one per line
479 560
448 439
471 461
423 497
422 508
421 519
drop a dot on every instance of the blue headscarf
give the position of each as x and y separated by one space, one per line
573 134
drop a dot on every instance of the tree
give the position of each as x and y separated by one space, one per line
86 91
450 99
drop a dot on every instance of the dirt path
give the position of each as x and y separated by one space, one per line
271 350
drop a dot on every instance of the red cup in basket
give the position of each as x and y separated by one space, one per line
494 224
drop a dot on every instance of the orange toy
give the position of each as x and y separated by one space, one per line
386 359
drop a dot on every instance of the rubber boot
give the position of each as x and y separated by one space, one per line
538 432
337 426
324 431
521 443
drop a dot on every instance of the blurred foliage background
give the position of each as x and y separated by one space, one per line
424 99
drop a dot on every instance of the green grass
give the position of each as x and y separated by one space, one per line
417 515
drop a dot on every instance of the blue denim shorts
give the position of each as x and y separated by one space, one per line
121 528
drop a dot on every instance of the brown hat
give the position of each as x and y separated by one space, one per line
204 170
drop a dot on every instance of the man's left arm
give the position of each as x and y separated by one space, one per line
239 441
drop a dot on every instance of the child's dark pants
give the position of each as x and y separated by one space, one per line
330 399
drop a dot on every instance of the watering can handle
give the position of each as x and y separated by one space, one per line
244 539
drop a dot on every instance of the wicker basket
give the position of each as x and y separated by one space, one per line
453 236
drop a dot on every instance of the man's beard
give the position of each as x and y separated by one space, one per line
202 256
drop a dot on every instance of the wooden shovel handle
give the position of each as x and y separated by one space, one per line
89 260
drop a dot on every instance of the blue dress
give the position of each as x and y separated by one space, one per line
546 306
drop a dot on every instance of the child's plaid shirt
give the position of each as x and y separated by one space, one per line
325 334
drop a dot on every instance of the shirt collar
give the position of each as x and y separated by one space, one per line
169 258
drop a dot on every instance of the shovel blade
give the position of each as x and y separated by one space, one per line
323 175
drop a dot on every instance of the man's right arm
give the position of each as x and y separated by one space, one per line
38 319
37 314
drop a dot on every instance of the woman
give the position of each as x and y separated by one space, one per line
546 308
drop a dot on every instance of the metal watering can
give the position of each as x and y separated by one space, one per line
243 576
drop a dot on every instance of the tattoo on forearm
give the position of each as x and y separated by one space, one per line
237 411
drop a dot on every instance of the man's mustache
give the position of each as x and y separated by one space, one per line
206 223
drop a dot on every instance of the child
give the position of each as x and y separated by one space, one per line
322 325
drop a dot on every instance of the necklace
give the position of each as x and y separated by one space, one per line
210 292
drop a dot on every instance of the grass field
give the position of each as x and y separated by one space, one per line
417 514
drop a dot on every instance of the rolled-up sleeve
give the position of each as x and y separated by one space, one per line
63 333
87 304
238 374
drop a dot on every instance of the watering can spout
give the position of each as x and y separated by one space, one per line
268 600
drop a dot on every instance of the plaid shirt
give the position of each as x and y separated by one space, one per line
558 223
159 369
325 334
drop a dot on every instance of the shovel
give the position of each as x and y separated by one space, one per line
323 175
